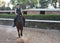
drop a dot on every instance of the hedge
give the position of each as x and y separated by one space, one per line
43 17
7 15
39 17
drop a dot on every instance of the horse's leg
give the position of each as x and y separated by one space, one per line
21 33
21 30
18 32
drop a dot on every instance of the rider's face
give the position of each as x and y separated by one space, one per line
18 6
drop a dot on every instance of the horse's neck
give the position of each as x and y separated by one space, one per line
19 18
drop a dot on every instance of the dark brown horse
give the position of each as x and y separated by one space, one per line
19 25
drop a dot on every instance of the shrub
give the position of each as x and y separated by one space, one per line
38 17
7 8
7 15
43 17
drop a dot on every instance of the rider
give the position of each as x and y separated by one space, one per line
18 11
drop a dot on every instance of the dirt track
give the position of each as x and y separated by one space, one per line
8 34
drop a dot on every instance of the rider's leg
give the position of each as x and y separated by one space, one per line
23 21
15 21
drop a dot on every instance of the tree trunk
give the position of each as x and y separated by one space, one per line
59 3
55 4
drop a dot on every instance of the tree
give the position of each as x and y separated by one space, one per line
13 2
21 2
59 3
24 2
54 3
44 3
2 3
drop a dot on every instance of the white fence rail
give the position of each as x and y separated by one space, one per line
29 20
7 11
31 10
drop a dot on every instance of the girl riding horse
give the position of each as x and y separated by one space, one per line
18 11
19 20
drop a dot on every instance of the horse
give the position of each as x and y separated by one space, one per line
19 25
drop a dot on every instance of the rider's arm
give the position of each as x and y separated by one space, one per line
15 11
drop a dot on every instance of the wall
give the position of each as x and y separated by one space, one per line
52 12
33 12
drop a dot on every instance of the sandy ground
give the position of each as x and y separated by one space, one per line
8 34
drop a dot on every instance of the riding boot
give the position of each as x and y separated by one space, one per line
23 21
14 22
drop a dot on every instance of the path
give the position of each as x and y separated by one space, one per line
8 34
